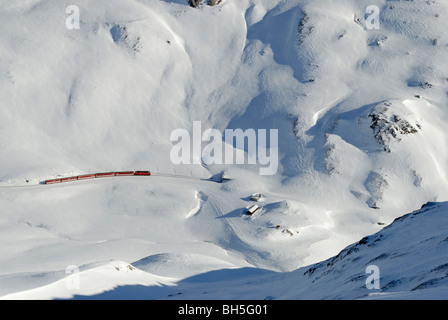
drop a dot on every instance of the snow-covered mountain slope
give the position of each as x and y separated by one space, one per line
361 116
409 257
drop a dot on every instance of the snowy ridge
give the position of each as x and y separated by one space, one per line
418 236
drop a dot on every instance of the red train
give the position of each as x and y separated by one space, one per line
98 175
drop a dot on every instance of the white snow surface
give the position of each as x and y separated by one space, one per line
362 117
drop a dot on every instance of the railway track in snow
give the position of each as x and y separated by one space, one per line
64 180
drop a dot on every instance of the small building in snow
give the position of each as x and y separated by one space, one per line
257 197
252 209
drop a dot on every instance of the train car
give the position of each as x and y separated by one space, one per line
142 173
86 177
124 173
69 179
53 181
105 175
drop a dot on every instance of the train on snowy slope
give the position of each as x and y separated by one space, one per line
98 175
